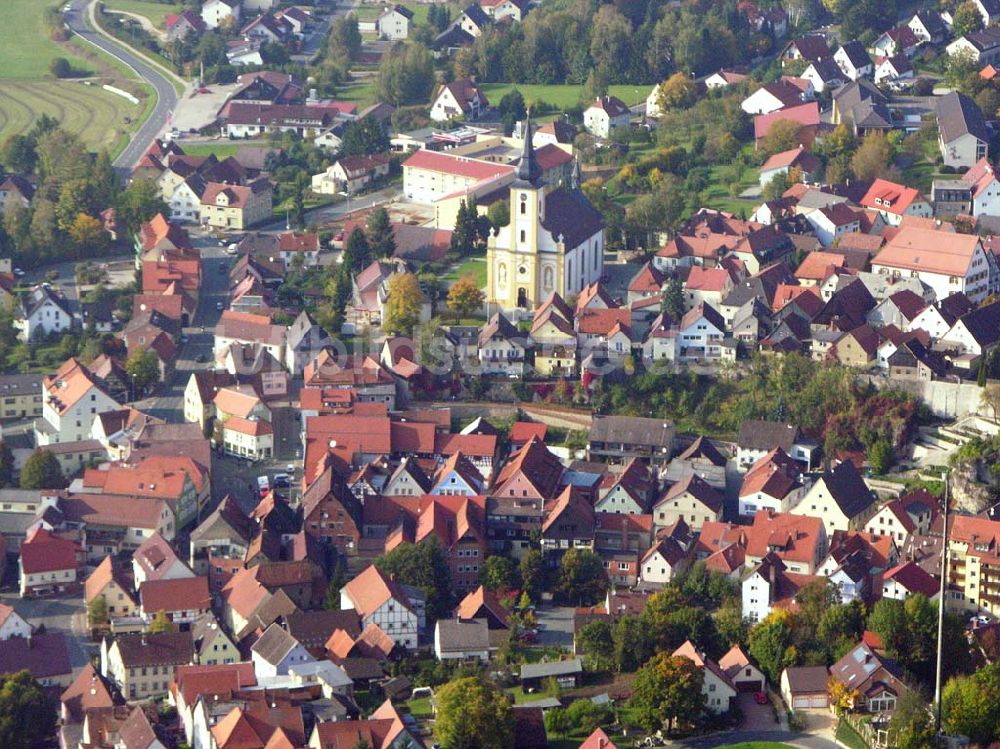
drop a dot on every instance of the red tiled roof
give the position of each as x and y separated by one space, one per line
185 593
43 551
456 165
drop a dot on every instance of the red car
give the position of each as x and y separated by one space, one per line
760 698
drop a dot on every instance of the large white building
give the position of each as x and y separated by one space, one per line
429 176
944 261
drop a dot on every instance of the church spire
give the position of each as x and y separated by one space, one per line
528 170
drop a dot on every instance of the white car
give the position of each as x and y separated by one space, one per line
220 306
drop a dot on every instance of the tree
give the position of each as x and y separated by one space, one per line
783 135
776 187
677 92
18 154
378 232
6 466
582 579
465 298
27 713
424 566
87 232
363 137
499 213
911 726
872 157
97 612
473 713
404 300
971 705
672 302
631 643
770 644
405 75
143 367
139 202
464 237
41 471
511 109
357 254
161 623
966 19
667 691
990 397
557 722
60 67
880 456
498 573
533 574
344 39
596 642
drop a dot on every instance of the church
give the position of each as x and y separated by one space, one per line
553 243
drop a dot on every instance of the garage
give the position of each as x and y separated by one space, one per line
749 686
804 687
804 702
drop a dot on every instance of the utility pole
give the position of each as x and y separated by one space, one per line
941 605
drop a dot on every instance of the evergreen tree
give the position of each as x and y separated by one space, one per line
379 233
357 253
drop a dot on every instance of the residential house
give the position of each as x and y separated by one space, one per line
811 47
144 665
893 202
397 609
770 586
569 524
44 311
973 553
44 656
963 137
236 207
48 564
351 174
20 396
331 513
876 679
700 334
927 26
825 75
690 499
771 97
799 542
907 579
12 624
782 163
502 347
773 483
15 188
744 675
899 41
605 115
155 559
716 687
974 334
621 438
757 438
275 652
841 498
183 599
895 68
460 98
394 23
854 61
179 25
215 12
832 222
665 558
247 328
110 583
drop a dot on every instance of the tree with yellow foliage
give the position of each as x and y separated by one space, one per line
403 303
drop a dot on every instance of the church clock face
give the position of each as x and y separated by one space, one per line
522 271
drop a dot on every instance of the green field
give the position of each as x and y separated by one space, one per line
88 111
560 96
473 266
222 150
361 93
371 12
25 48
154 11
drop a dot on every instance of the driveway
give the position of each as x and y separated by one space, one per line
555 626
756 717
804 740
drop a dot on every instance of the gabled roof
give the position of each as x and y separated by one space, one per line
537 464
697 488
44 551
614 106
185 593
371 588
929 251
812 47
848 489
88 691
703 448
913 578
856 54
958 115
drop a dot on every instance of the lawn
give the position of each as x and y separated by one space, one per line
97 116
474 266
371 12
222 149
847 736
361 93
25 48
154 11
560 96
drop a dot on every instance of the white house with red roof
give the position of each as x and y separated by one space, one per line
774 483
49 564
252 439
771 97
498 9
945 261
893 201
907 579
901 518
782 163
605 115
716 686
12 624
71 400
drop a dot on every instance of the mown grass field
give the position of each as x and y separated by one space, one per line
560 96
154 11
222 149
25 48
88 111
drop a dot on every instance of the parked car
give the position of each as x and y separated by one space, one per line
760 698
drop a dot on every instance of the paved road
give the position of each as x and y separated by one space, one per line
65 614
166 95
806 740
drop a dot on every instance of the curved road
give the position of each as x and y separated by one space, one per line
166 95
